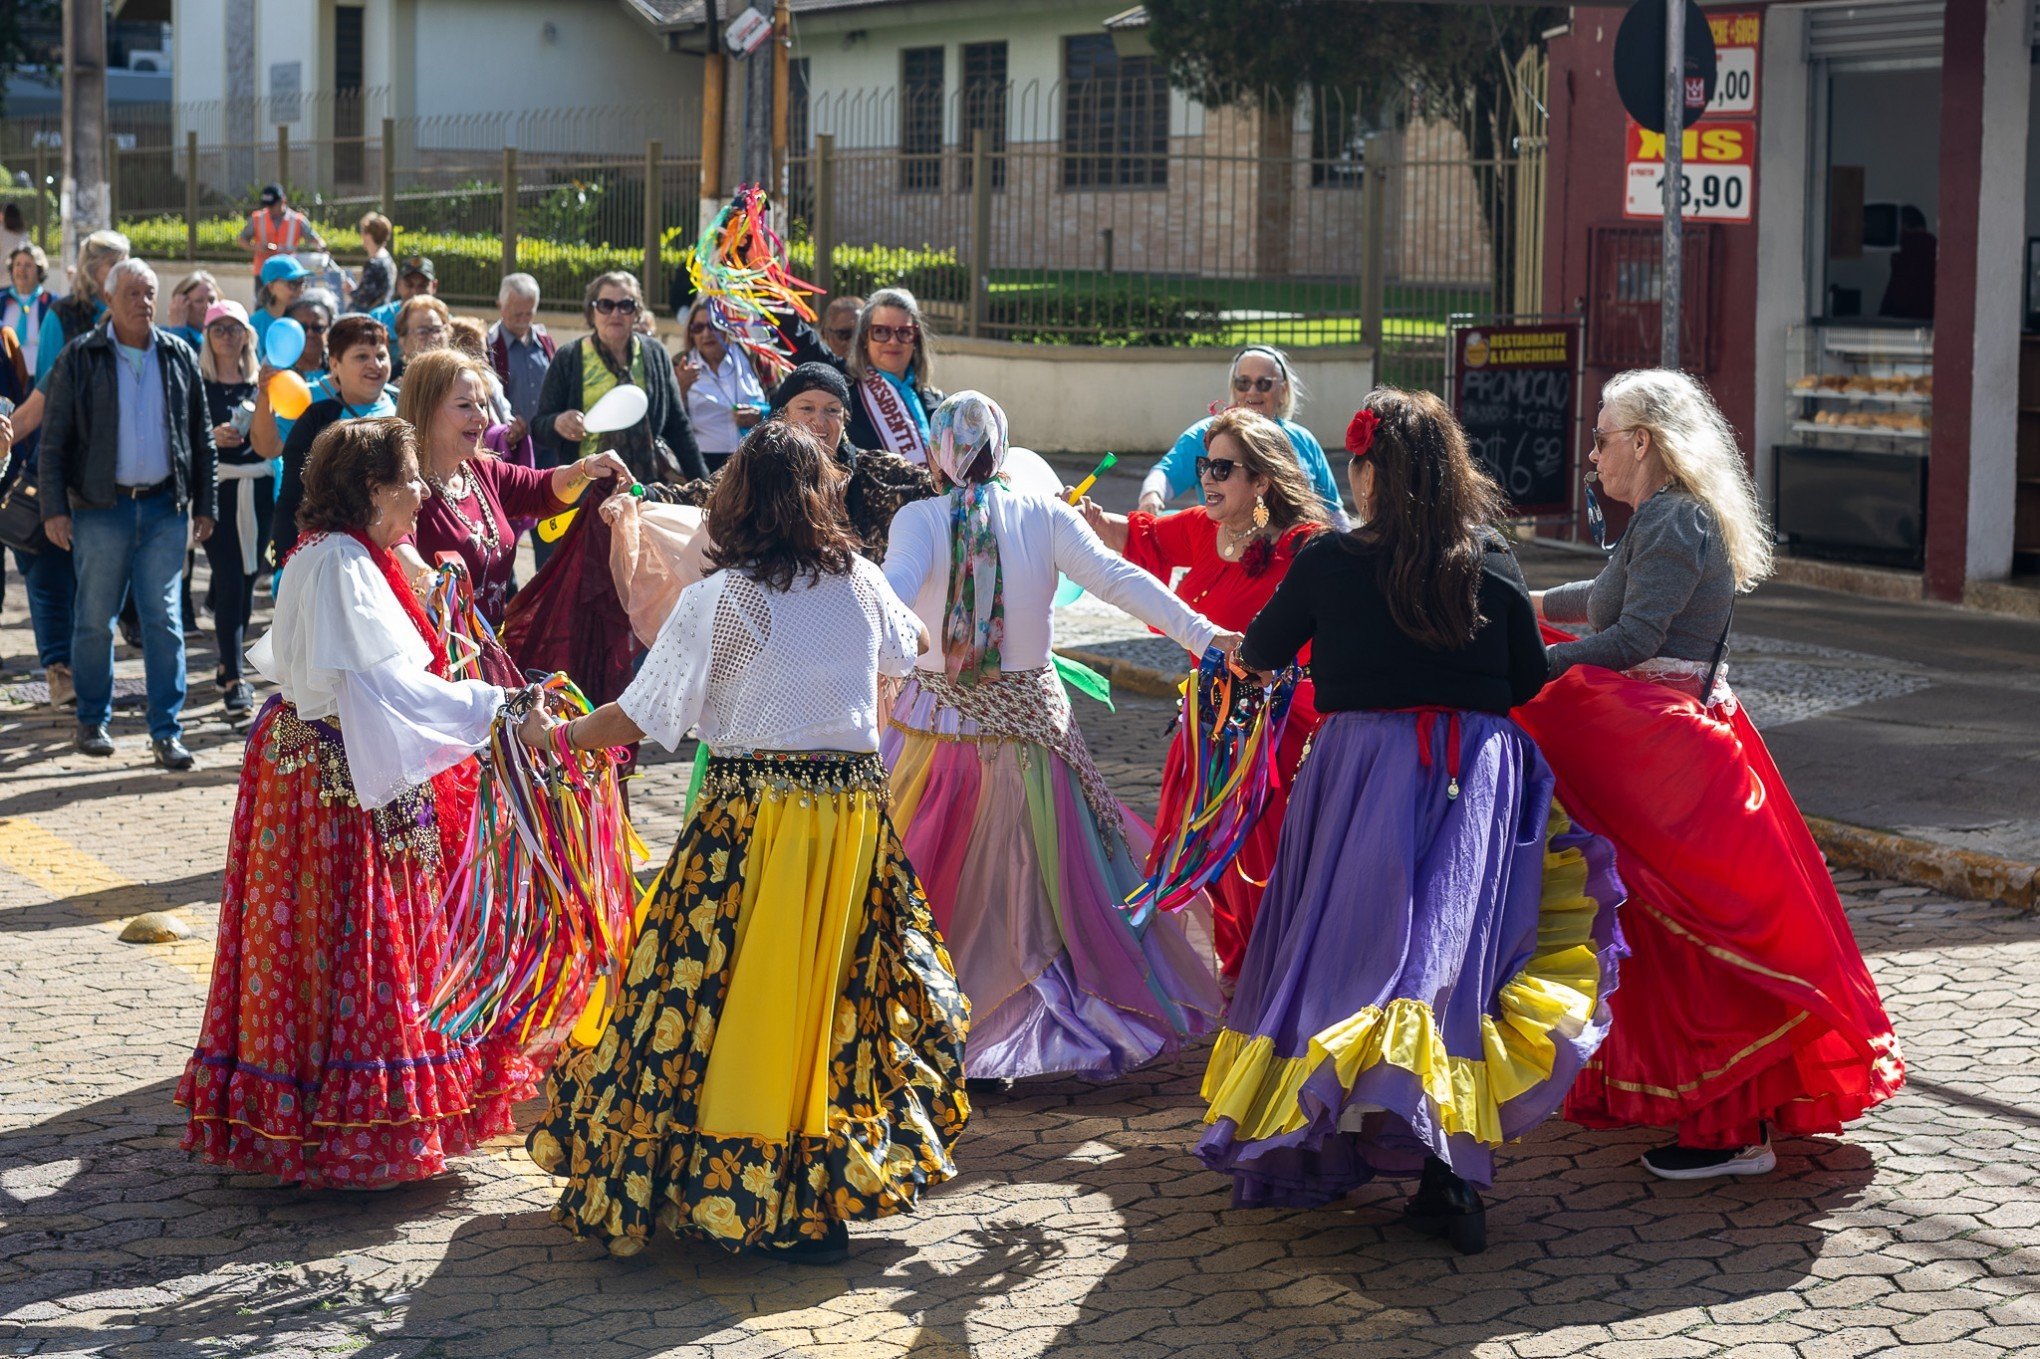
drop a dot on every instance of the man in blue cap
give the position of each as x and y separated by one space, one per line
281 282
276 229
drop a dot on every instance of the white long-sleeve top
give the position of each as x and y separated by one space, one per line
1038 536
341 648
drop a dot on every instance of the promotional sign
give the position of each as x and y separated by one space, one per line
1720 149
1512 389
1719 174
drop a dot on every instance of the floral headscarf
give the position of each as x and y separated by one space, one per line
962 429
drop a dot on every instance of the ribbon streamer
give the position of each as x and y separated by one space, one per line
1234 728
738 268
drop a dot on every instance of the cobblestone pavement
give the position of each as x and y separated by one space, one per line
1081 1226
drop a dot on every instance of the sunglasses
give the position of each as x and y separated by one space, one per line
1600 436
627 305
700 328
223 327
887 334
1260 384
1218 469
843 334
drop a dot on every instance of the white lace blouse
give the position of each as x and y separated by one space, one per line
343 650
1038 535
758 669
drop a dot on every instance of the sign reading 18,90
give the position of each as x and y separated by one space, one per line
1719 169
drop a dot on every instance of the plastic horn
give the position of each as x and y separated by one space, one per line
1083 488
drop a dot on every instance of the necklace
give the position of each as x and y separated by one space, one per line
484 533
1233 545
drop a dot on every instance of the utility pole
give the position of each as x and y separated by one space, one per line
715 66
1673 286
782 90
757 160
86 198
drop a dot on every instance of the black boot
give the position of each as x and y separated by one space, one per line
1447 1206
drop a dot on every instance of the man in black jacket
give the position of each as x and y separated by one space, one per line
127 471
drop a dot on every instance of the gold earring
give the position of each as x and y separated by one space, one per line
1260 512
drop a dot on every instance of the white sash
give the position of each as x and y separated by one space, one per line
890 417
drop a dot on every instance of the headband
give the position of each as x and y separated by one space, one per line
1275 354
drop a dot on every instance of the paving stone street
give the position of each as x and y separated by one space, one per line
1081 1226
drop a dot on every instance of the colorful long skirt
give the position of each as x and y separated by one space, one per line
314 1063
1236 896
1027 858
1746 1002
1430 968
787 1051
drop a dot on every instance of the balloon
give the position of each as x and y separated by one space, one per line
283 343
288 394
1067 591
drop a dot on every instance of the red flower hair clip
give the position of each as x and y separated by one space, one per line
1360 433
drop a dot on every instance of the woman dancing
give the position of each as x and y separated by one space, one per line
1026 854
1746 1005
1430 963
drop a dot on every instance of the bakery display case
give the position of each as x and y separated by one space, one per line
1852 483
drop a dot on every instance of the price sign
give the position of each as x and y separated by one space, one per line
1512 389
1719 174
1736 37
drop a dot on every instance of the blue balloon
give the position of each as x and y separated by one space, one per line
284 342
1067 591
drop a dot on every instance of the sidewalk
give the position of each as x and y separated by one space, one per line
1913 728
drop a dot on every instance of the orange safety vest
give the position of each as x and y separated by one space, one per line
285 235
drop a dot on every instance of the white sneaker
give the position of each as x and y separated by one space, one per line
1698 1163
58 678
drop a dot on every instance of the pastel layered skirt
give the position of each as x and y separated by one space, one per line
1430 968
314 1063
1027 858
1746 1001
787 1049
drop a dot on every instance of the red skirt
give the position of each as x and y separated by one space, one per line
1236 896
1744 1000
314 1063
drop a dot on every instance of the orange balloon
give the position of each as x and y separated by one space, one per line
288 394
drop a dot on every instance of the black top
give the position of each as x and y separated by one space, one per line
1332 599
221 399
290 491
806 346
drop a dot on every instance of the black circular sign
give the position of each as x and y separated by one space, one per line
1640 63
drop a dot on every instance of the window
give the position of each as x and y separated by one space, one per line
800 149
349 165
1338 140
1115 118
921 118
984 106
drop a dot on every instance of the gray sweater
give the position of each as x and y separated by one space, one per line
1666 591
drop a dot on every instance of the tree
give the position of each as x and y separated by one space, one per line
1451 60
27 33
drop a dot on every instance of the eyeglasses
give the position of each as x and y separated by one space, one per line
1259 384
223 328
1218 469
317 330
700 328
887 334
1604 434
842 334
428 330
627 305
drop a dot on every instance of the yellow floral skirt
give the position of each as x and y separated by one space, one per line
787 1050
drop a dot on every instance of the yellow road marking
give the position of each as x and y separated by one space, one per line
49 862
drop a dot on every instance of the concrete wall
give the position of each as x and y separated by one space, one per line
1061 398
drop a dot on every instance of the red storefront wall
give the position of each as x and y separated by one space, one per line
1585 189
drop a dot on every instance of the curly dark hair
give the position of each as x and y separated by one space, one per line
777 510
1434 515
348 461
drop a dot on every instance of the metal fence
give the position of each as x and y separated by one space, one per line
1113 212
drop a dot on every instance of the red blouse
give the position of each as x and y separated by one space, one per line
1228 593
501 491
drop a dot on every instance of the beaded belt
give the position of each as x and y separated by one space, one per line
749 773
405 825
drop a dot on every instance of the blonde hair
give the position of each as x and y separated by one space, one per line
100 245
408 313
250 368
192 280
859 363
1292 386
1290 497
470 337
1699 452
427 380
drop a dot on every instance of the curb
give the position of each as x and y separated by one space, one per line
1964 873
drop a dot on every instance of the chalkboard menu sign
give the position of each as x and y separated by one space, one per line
1512 388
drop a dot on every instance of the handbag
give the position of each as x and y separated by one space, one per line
21 517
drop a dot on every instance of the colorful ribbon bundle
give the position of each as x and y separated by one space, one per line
1234 728
539 910
472 649
738 268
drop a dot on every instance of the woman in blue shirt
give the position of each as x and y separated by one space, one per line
1261 381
